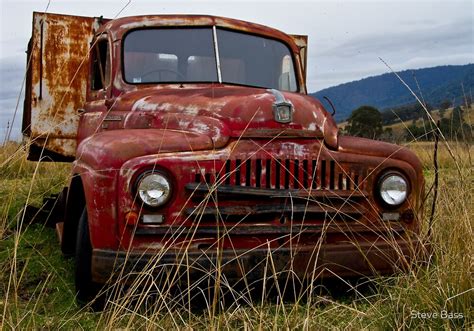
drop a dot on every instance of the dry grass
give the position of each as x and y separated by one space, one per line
36 282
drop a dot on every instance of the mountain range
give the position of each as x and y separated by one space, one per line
437 84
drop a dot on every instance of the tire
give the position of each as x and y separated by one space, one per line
86 289
74 203
68 239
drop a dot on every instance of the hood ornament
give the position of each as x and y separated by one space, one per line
282 108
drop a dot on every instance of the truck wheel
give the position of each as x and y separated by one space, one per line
86 289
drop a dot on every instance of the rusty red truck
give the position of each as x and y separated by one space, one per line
193 141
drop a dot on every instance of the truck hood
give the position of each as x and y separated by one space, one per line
224 111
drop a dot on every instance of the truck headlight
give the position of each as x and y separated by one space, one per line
154 189
393 189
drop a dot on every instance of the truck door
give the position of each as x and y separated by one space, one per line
56 84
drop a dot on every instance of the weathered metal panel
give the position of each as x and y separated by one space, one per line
57 82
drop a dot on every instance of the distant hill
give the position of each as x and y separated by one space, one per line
386 91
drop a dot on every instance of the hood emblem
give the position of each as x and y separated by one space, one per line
282 108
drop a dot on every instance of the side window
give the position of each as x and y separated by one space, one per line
100 76
287 80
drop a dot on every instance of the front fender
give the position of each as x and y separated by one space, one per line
111 149
363 146
98 160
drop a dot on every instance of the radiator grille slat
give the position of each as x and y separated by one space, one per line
302 174
238 168
305 173
323 174
287 174
277 173
296 182
332 166
268 175
227 172
248 174
258 173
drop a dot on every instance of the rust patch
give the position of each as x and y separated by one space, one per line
59 71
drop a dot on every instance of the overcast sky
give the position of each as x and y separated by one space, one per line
346 38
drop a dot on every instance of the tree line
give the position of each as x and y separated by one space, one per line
368 122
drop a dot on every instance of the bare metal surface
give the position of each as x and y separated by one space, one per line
58 75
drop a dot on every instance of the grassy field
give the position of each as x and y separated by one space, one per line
37 286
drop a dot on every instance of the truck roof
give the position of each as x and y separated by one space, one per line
118 27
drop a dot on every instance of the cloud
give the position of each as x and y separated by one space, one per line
455 34
427 45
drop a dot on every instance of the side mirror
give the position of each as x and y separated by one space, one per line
332 106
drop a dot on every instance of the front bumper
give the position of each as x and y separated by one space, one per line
341 259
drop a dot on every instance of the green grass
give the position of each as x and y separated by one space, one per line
37 290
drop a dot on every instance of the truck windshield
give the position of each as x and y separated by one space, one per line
179 55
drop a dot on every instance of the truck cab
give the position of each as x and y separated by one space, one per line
194 143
